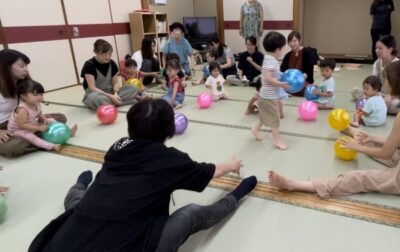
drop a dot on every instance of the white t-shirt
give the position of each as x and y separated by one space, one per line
327 85
377 70
269 91
7 106
376 107
212 82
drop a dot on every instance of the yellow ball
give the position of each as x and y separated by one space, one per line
133 82
344 153
339 119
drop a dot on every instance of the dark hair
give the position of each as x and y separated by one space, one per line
294 34
213 53
253 41
172 56
151 119
129 62
8 87
173 63
273 41
101 46
327 63
221 46
390 42
29 86
147 50
176 25
376 2
258 84
213 65
392 75
374 81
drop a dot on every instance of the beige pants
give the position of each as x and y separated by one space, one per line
383 181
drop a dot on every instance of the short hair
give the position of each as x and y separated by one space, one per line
294 34
172 56
151 119
213 65
392 75
273 41
252 40
390 42
374 81
213 53
28 86
101 46
173 64
328 63
176 25
129 62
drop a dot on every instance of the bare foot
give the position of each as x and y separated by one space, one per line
282 116
279 181
73 130
248 112
57 147
354 124
280 145
3 190
256 134
178 106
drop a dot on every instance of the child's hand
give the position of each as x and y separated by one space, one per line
286 86
388 99
4 136
362 138
43 127
317 91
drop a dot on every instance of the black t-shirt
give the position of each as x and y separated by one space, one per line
248 69
381 13
127 205
91 65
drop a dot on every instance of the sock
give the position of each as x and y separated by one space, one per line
246 186
85 178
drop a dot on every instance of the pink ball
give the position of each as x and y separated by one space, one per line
204 100
107 114
308 111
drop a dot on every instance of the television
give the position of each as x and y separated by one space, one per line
200 31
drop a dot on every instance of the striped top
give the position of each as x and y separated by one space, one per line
269 91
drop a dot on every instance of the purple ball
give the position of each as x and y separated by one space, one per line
361 103
181 123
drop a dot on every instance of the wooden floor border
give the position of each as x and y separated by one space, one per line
344 207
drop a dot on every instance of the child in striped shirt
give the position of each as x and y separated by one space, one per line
269 93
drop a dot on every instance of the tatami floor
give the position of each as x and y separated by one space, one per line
268 220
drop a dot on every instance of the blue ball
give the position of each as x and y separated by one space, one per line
309 93
295 79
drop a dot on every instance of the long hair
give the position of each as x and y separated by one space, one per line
147 50
221 46
8 86
392 75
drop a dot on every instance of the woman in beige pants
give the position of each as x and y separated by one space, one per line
385 151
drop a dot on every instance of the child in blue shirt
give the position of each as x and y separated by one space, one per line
373 113
326 90
210 56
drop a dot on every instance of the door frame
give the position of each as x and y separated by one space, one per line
296 15
3 37
220 20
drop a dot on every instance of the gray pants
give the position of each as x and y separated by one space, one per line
181 224
93 100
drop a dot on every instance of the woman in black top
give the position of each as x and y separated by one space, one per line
127 206
381 23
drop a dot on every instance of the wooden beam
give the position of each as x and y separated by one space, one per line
145 4
3 37
296 15
220 20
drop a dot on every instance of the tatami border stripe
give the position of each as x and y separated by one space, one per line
365 211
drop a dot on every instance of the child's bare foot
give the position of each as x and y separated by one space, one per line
354 124
279 181
281 115
256 134
248 112
57 148
73 130
178 106
280 145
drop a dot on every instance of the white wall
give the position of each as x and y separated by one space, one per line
176 10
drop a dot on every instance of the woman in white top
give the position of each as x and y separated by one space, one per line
147 62
386 52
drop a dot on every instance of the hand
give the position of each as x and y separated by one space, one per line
157 76
285 86
349 143
235 165
317 92
43 127
305 75
362 138
4 136
250 59
116 99
388 99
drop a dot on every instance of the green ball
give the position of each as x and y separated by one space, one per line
3 207
57 133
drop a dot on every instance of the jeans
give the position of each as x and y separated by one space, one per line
181 224
178 98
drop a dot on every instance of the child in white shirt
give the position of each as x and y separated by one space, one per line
215 82
326 90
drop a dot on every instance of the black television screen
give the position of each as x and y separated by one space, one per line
200 28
